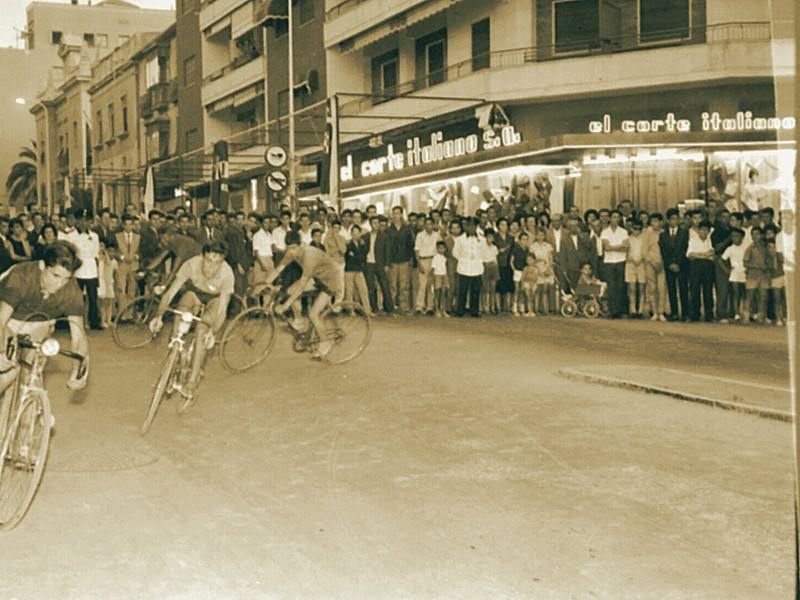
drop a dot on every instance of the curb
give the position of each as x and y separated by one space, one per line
764 413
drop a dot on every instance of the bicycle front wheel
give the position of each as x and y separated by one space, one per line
132 325
247 340
160 391
349 329
23 456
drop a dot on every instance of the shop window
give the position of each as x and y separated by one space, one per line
385 70
190 70
55 37
481 45
306 11
89 39
431 59
663 20
576 25
111 121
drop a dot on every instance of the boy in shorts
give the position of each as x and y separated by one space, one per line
635 275
441 283
734 257
757 279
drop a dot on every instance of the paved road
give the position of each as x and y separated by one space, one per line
448 462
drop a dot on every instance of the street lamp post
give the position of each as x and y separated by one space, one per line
292 160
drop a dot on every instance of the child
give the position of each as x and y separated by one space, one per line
777 283
441 283
757 280
543 252
734 257
491 274
587 278
635 272
530 275
106 269
519 253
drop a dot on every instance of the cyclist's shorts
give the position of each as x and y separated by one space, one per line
321 287
204 297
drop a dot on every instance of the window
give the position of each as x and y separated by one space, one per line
99 122
124 105
111 121
481 45
190 70
89 39
576 25
101 39
306 10
55 37
192 139
385 74
283 103
432 58
151 73
663 20
281 27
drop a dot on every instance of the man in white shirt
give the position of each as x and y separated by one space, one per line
468 250
347 225
279 236
785 240
424 249
615 253
701 272
87 243
262 248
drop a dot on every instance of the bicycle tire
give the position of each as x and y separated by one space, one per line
18 454
131 327
238 350
185 370
343 321
161 387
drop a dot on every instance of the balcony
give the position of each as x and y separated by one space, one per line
729 50
231 78
352 17
158 98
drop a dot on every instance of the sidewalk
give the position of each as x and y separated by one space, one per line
767 401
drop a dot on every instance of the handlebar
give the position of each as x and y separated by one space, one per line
48 347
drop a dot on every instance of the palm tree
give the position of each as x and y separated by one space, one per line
21 181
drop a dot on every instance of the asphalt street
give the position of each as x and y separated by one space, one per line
450 461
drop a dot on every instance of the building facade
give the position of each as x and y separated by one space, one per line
189 60
581 102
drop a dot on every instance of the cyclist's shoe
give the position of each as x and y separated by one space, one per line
300 325
323 350
188 392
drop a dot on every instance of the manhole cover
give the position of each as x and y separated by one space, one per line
95 456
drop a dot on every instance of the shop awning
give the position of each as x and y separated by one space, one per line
397 23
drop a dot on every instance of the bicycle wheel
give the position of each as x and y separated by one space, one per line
349 329
160 390
247 340
23 456
132 325
184 372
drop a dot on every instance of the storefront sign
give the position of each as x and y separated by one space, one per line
709 121
419 152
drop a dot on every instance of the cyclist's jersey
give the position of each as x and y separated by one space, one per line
192 272
320 267
183 247
20 288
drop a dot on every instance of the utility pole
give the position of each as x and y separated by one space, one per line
292 158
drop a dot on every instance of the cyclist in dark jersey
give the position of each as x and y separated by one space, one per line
318 272
45 290
205 280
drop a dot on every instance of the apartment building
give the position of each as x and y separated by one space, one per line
100 26
575 102
188 40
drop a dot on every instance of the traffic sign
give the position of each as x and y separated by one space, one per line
277 180
276 156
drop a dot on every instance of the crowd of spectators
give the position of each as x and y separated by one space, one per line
707 263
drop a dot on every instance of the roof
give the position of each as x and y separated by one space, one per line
118 4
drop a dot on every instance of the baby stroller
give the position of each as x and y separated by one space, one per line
588 300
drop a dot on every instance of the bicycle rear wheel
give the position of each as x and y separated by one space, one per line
132 325
23 456
160 390
349 329
247 340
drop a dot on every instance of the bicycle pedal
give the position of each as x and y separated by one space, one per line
51 422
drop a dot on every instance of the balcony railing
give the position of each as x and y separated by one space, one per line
342 8
504 59
158 97
237 62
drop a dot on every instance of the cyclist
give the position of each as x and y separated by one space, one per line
205 280
319 272
178 246
44 287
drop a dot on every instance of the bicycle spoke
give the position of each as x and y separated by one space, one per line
348 329
247 340
131 327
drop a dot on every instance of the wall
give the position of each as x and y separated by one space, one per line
188 40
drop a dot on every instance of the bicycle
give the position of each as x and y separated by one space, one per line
131 326
250 337
25 425
177 368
